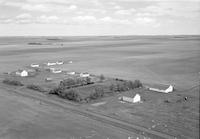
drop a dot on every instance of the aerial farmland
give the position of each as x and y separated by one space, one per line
88 77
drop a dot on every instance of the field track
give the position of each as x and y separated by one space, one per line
126 127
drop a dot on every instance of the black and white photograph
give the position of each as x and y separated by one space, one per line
99 69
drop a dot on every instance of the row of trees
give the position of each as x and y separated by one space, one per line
70 94
12 82
74 82
98 92
125 86
36 88
119 87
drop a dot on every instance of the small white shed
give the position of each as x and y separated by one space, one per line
59 62
84 74
71 73
51 64
34 65
22 73
56 71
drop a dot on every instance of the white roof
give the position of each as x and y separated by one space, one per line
166 89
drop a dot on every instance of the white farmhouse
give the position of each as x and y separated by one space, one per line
22 73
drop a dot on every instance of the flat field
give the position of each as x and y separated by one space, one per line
24 118
152 59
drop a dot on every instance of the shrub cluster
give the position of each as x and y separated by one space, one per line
102 77
70 94
98 93
74 82
12 82
36 88
125 86
67 90
34 43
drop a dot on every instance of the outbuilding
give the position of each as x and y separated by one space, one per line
48 79
35 65
51 64
162 88
59 62
135 99
71 73
22 73
56 71
84 74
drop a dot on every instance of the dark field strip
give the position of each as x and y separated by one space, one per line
130 128
55 48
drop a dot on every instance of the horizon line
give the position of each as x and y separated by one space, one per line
98 35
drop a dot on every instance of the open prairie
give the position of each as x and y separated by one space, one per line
152 59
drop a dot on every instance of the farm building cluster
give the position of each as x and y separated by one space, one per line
45 73
83 85
49 66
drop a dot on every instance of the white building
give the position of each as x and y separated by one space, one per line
22 73
71 73
135 99
34 65
84 74
56 71
59 62
162 88
48 79
51 64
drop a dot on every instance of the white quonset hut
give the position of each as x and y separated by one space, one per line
162 88
22 73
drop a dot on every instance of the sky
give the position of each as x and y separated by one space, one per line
99 17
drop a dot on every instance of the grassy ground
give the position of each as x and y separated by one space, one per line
168 113
158 59
22 118
151 59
